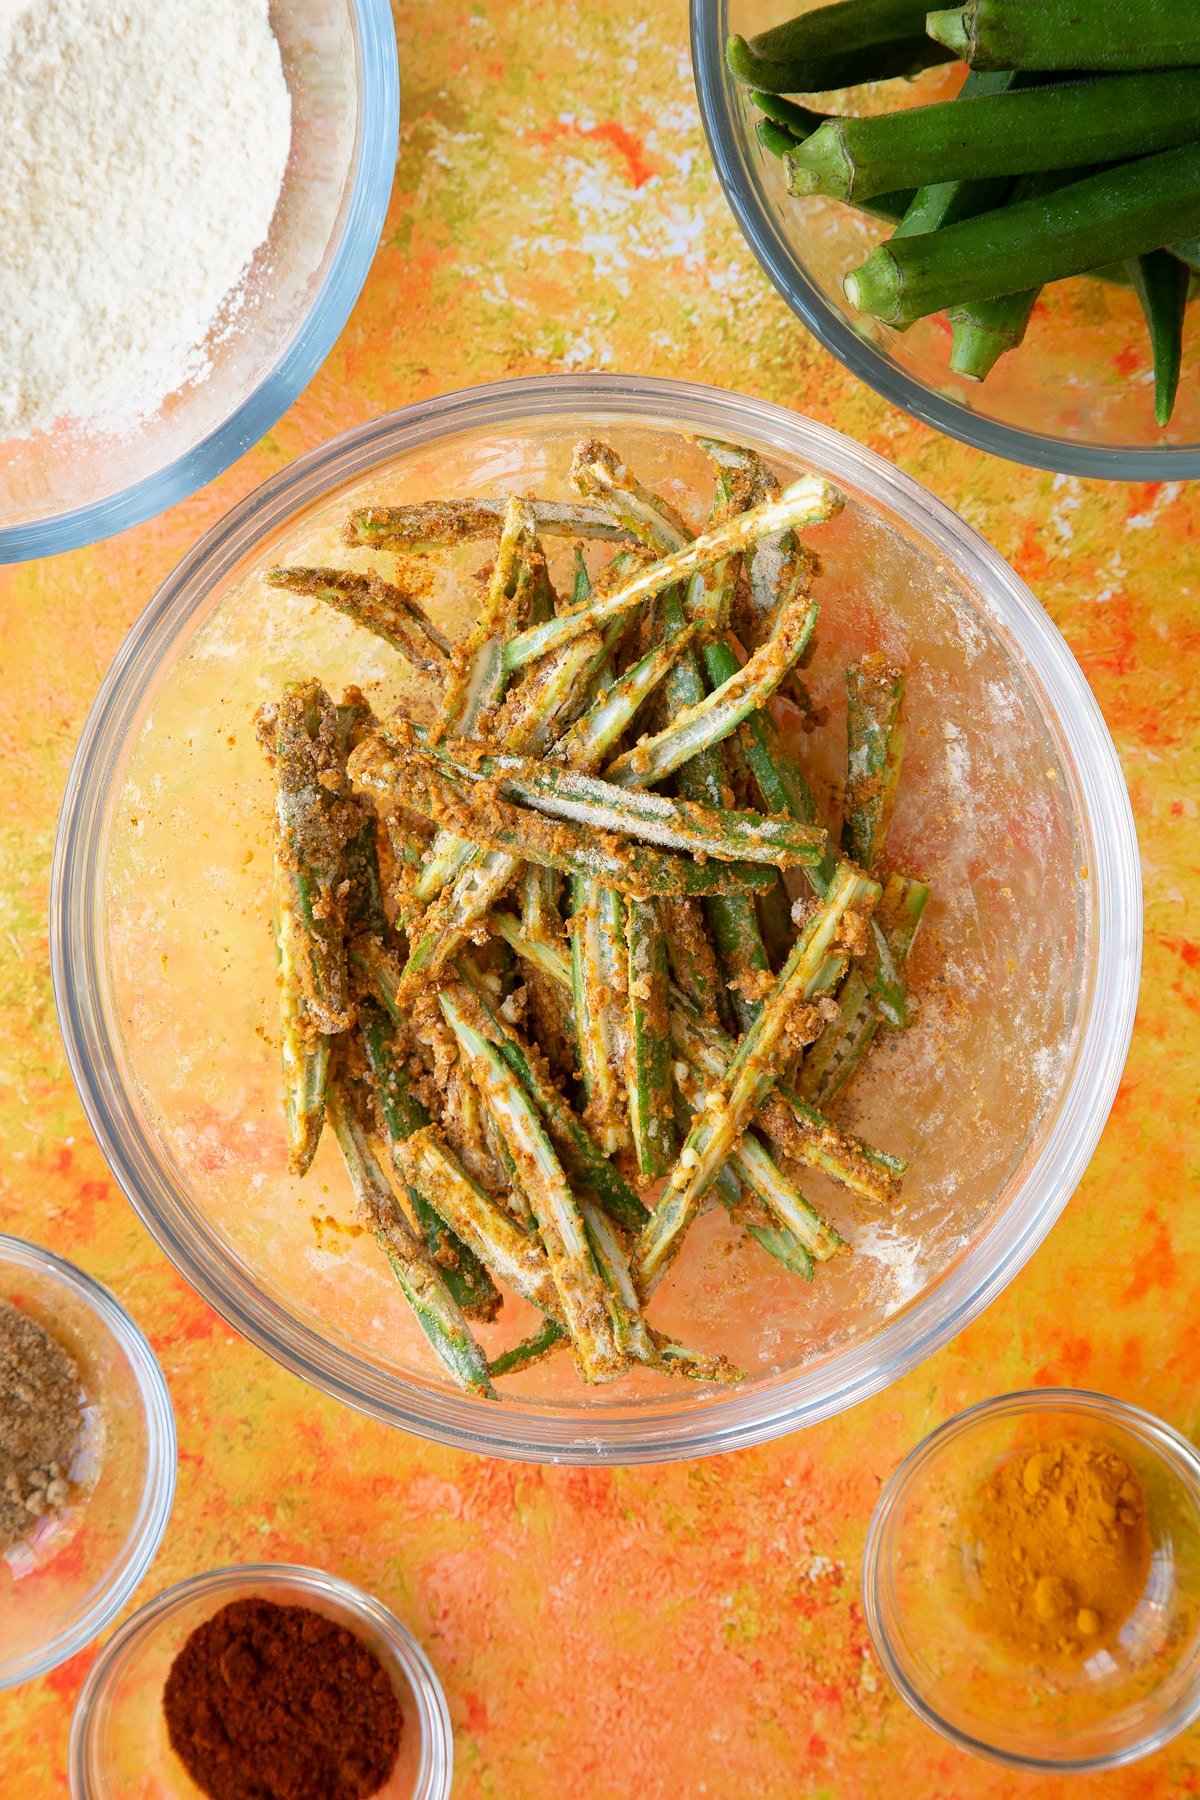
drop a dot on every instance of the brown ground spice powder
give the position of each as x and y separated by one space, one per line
40 1422
1063 1549
269 1702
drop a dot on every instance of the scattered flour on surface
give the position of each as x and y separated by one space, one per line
142 149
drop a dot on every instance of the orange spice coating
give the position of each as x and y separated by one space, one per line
1062 1549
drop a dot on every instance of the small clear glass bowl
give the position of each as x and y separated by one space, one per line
61 489
1078 396
1125 1700
1012 806
119 1749
62 1585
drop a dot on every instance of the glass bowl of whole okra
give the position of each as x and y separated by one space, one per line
706 920
1062 147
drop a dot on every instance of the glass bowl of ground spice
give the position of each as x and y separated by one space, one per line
263 1682
87 1459
1032 1581
161 306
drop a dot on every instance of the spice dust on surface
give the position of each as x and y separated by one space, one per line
270 1702
1062 1549
40 1422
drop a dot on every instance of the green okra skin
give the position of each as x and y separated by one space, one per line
808 501
943 203
986 330
891 208
836 46
1188 253
816 964
583 745
874 752
798 122
434 1307
378 606
1122 212
1063 35
1161 283
546 1338
1063 126
648 1041
402 1114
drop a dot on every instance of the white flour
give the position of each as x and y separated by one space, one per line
142 149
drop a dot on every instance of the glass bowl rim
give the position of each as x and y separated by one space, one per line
787 274
666 1432
373 169
158 1488
433 1713
1167 1445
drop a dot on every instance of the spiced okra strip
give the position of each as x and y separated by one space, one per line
836 46
837 1053
477 672
1122 212
1062 35
586 1303
548 696
808 501
559 792
648 1040
436 524
434 1307
303 1050
401 1114
599 961
874 750
714 718
378 606
1068 125
582 1158
816 962
795 1127
513 1256
753 1165
313 819
562 843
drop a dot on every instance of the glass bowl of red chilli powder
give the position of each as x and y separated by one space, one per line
1032 1581
258 1675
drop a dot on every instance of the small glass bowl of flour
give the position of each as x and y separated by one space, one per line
83 1404
190 198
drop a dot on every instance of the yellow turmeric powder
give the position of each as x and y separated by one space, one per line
1061 1549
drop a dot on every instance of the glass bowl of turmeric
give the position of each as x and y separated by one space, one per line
1032 1581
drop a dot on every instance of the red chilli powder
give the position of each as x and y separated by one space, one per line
268 1702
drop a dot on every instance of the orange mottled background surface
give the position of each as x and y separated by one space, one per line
697 1629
